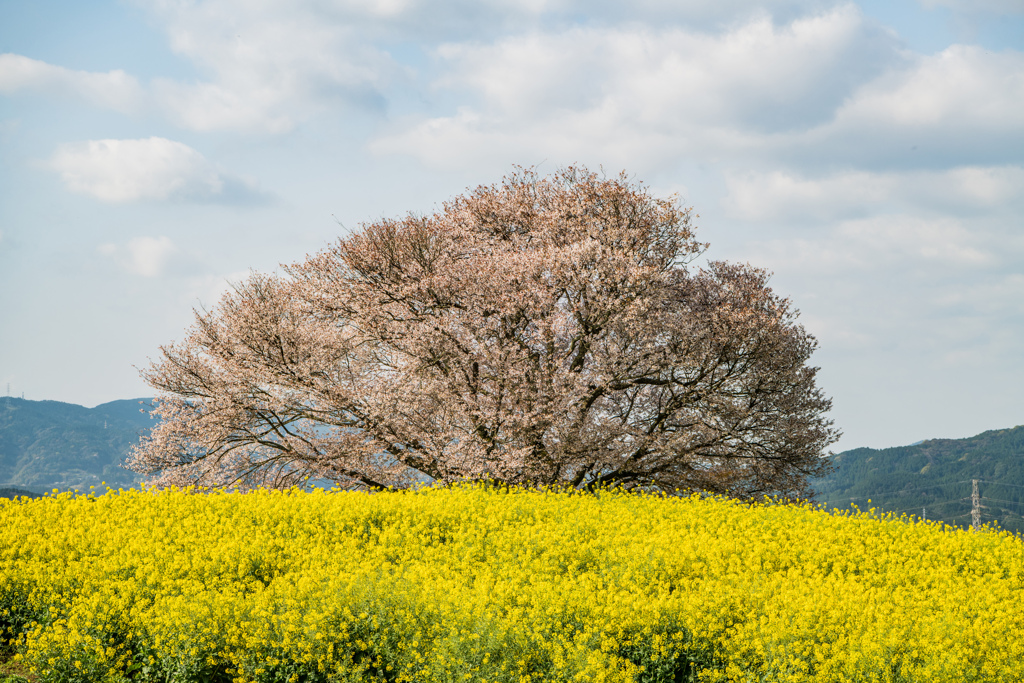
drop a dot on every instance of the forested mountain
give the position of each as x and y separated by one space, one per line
934 478
14 492
49 444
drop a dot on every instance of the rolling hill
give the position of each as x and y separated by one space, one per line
933 478
49 444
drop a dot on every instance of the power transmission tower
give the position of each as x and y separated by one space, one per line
975 506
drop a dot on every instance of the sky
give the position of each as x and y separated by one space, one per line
870 155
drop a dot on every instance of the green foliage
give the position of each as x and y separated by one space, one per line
14 492
15 671
49 444
935 475
12 678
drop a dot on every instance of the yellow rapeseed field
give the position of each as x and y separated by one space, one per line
477 584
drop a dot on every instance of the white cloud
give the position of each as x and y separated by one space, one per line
265 66
887 239
430 21
268 65
785 195
146 256
155 169
960 106
977 6
113 89
963 85
209 106
1001 295
886 243
825 90
623 92
757 74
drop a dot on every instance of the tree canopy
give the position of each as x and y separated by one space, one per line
541 331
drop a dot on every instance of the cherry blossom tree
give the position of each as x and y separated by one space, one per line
543 331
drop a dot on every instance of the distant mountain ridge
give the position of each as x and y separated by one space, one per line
933 478
50 444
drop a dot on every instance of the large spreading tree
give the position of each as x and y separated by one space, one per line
544 331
